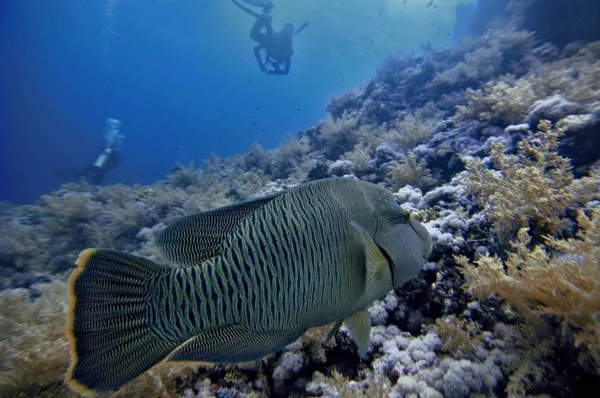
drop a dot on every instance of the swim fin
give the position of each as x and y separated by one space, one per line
259 3
301 28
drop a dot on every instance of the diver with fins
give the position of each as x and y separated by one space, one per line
274 49
108 158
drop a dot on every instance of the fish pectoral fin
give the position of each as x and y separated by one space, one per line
233 343
376 261
359 326
333 331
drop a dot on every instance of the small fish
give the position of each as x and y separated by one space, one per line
256 275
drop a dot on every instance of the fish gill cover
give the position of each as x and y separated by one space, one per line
491 140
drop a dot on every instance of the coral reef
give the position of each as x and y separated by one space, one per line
493 143
534 187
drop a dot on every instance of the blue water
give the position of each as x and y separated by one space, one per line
181 76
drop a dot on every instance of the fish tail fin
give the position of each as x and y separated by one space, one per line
108 320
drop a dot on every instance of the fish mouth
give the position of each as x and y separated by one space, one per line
419 228
429 249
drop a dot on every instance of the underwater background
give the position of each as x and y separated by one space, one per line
181 76
481 117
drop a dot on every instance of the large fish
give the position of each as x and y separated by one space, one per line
257 275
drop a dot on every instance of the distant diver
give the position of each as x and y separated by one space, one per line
277 46
108 158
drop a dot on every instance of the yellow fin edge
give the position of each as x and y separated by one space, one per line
81 263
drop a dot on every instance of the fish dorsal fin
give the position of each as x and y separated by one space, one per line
376 262
359 326
198 237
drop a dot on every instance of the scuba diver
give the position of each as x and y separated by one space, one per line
276 46
107 159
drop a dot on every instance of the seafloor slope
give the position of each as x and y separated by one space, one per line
494 142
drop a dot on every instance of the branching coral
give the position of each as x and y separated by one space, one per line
486 58
412 130
35 350
339 132
533 188
183 176
375 386
405 133
256 158
289 158
504 102
546 278
33 347
577 78
360 156
508 100
479 65
560 280
66 214
411 172
313 342
19 245
371 136
458 335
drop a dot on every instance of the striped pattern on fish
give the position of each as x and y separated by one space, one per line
256 276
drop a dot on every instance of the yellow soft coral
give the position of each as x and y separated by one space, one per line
35 351
33 347
411 172
557 280
534 187
504 102
508 99
564 285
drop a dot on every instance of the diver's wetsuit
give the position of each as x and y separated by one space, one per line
107 160
277 46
